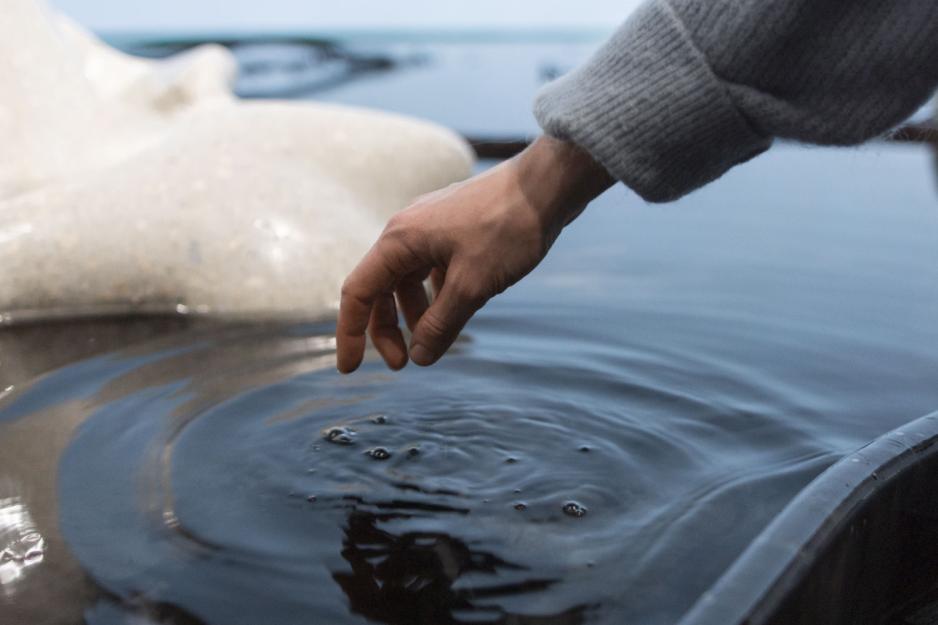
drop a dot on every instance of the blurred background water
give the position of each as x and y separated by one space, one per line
601 444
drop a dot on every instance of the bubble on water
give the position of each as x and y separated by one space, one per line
585 449
517 490
340 435
379 453
511 460
521 506
311 499
574 509
379 419
413 451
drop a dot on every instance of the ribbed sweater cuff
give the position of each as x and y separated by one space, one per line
649 108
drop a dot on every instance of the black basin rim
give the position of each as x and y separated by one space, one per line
781 556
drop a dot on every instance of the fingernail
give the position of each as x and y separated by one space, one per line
421 355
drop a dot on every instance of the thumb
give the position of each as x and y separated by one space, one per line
439 326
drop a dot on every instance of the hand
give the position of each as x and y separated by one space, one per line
473 239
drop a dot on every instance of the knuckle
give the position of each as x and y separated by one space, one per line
397 221
403 246
434 327
399 231
350 291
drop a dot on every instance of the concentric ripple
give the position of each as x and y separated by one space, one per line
234 478
313 495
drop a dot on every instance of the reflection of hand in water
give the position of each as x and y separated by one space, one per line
410 579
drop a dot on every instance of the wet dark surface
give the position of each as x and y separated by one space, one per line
603 442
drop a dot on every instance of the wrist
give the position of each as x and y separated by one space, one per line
558 179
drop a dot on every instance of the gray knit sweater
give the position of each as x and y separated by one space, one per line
686 89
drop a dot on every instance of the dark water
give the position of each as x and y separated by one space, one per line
603 442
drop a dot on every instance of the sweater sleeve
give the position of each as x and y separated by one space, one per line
686 89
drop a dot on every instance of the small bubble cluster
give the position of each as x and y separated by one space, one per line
379 419
379 453
340 435
521 506
574 509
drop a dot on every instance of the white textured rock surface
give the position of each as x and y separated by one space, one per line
131 185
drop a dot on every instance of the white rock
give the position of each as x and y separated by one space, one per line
131 185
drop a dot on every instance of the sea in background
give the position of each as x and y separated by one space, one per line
602 443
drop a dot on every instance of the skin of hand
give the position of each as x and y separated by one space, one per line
473 240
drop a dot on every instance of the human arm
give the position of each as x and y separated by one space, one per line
476 238
685 90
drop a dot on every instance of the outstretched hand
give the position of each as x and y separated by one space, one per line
473 240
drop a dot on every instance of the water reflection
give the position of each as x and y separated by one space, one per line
22 546
412 579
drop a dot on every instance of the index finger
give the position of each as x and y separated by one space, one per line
377 274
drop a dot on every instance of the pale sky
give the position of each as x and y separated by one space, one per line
311 15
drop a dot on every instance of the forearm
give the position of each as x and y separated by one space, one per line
688 88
